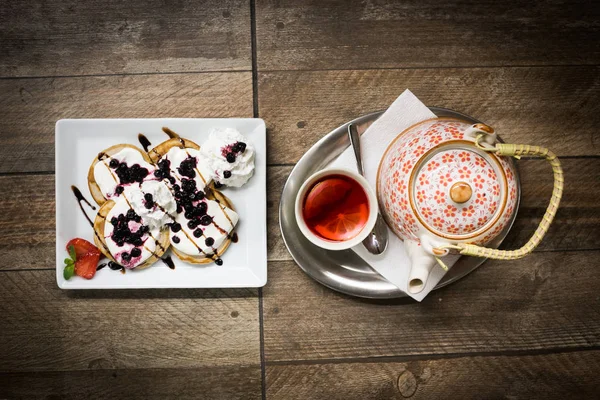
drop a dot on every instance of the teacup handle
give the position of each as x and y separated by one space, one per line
517 150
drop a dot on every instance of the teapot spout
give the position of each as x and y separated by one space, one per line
422 263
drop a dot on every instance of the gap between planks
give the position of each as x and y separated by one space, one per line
433 356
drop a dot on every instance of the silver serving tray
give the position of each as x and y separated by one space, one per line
345 271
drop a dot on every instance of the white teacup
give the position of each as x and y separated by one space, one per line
333 244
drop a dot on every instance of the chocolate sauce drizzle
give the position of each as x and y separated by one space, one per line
144 142
170 133
168 262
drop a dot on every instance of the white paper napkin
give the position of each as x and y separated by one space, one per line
393 264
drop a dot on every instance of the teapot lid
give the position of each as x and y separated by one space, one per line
458 191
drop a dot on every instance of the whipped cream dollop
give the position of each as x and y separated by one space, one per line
109 178
229 155
137 245
153 202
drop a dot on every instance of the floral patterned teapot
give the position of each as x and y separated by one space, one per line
445 185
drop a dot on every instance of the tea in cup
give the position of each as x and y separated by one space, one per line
336 209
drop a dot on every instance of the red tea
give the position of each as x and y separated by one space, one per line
336 208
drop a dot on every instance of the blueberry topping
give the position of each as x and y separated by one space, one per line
137 218
175 227
226 174
176 187
175 239
131 215
188 215
198 233
148 197
230 158
209 241
219 262
136 252
179 208
123 166
203 207
239 147
119 190
114 163
192 224
206 220
158 173
114 221
148 204
187 167
114 266
188 185
200 195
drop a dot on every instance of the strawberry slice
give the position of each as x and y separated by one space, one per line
82 247
86 257
86 266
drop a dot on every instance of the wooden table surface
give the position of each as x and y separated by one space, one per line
515 330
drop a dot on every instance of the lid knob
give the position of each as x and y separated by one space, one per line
461 192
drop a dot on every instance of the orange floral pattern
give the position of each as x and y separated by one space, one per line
430 189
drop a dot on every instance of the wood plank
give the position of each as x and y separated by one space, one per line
48 329
40 38
215 382
310 34
548 300
28 238
550 376
30 107
554 106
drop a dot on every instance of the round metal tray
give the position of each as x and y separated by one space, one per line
345 271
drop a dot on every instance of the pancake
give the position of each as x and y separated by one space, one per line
99 225
95 190
211 194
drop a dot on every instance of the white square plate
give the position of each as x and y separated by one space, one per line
79 141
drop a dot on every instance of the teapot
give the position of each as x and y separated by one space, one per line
447 186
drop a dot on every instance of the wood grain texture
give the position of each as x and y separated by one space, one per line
50 38
548 300
48 329
333 34
27 238
550 376
30 107
215 382
555 107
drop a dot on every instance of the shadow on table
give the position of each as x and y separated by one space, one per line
163 294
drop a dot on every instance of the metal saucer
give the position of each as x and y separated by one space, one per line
345 271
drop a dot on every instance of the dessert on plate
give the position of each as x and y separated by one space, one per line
166 197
